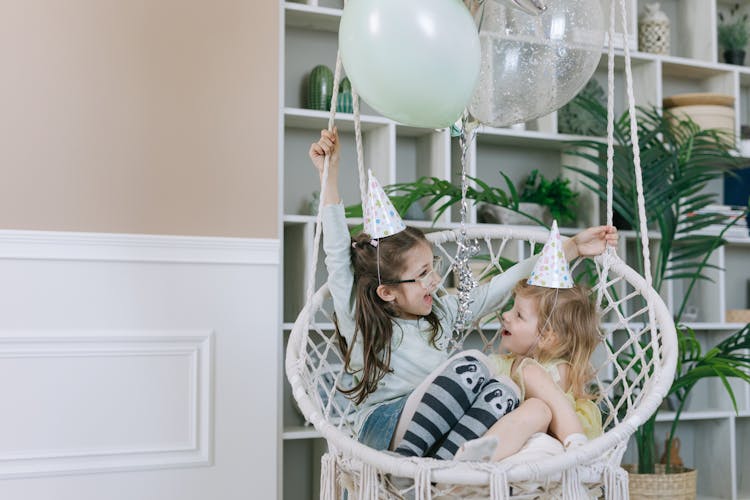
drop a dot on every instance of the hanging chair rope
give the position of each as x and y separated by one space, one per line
643 222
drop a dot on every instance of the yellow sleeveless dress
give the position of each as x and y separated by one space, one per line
588 413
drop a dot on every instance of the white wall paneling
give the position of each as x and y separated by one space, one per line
147 399
136 366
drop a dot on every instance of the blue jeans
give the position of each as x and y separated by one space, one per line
379 427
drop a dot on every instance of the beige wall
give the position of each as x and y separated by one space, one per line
139 116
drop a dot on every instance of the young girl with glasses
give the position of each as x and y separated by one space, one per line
393 331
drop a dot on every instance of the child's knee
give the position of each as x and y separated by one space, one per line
472 371
500 397
539 411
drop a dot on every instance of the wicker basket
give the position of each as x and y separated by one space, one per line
673 486
737 316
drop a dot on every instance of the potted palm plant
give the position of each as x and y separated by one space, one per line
679 160
733 33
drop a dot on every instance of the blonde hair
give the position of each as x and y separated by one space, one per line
572 316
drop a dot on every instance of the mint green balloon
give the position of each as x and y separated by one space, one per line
414 61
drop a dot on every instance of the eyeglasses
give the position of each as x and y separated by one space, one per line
429 280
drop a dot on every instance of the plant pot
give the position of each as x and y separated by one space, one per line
320 88
677 485
494 214
734 56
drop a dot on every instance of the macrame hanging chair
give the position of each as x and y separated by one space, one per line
634 366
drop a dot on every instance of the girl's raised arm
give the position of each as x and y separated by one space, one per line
327 145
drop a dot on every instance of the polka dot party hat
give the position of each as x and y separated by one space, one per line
381 219
551 270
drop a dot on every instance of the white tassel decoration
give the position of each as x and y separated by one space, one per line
572 489
422 484
616 485
328 477
369 485
499 487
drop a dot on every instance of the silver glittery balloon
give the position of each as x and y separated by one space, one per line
534 64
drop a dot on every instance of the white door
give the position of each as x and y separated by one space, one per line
138 367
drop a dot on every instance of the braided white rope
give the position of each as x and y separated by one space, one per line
610 110
323 183
636 149
360 151
645 247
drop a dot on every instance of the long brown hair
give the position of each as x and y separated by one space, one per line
571 314
372 315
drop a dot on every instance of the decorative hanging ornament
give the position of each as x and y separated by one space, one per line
551 270
534 64
466 248
415 62
381 218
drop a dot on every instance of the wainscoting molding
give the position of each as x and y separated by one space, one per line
52 245
67 378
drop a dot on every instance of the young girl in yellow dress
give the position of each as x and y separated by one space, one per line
549 335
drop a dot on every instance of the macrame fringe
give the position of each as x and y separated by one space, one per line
328 477
572 489
616 485
499 487
422 484
369 483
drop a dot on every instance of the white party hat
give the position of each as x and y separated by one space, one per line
381 218
551 270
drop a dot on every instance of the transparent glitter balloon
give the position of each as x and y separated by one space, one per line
533 65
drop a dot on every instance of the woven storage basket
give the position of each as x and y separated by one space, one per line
672 486
737 316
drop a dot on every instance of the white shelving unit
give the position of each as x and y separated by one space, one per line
714 439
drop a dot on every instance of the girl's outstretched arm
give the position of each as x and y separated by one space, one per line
327 145
589 242
336 239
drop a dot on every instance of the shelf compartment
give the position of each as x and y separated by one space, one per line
646 89
421 153
312 17
692 28
742 431
743 107
705 444
301 180
738 281
682 76
707 296
709 394
303 50
302 468
298 251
